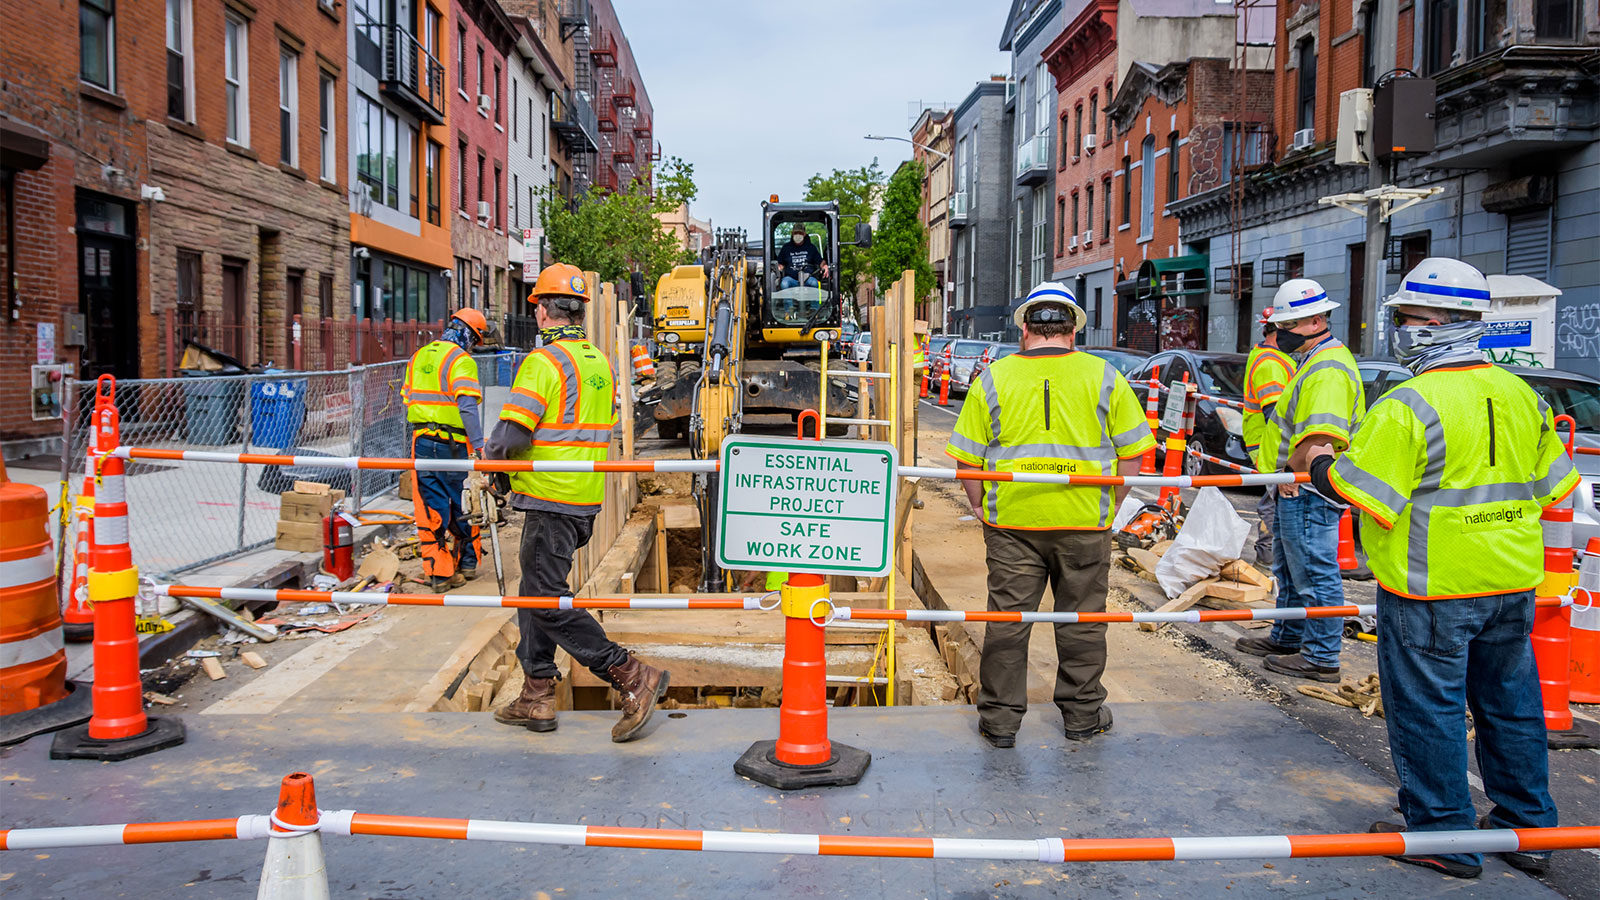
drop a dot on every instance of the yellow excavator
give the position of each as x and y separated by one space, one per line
761 349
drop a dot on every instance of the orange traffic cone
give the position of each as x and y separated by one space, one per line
1552 639
924 394
35 696
944 388
1152 414
295 868
1347 544
1585 666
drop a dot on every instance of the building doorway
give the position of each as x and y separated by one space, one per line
235 314
1358 298
108 286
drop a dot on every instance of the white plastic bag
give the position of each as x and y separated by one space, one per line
1130 507
1212 534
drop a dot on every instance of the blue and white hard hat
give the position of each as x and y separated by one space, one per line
1299 298
1444 284
1051 293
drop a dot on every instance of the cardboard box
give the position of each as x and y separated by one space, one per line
299 537
405 485
297 506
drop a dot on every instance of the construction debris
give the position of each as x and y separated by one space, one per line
1238 585
1363 695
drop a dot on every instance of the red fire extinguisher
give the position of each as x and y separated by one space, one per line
338 543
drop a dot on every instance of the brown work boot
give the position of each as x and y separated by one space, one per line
534 709
641 687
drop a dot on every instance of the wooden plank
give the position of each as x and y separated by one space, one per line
1238 593
662 576
681 513
1241 571
622 558
430 694
759 666
902 524
635 627
1181 602
213 668
252 659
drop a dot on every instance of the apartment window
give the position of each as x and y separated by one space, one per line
481 195
1066 149
963 159
1369 39
1147 186
1045 99
413 182
430 45
1109 132
1099 301
1105 209
325 296
1088 211
1020 251
1041 210
327 108
516 195
461 178
1061 233
288 108
1174 167
1306 107
495 213
531 128
1074 217
179 33
188 294
461 58
1022 111
378 152
1487 18
497 94
1077 130
1441 34
479 92
235 69
1555 20
1094 110
97 42
514 111
1127 190
432 165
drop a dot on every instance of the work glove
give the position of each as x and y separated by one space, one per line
477 481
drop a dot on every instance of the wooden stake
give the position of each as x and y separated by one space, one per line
213 668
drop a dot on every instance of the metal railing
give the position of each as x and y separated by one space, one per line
412 72
575 120
958 209
1033 157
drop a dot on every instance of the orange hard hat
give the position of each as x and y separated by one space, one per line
560 280
473 319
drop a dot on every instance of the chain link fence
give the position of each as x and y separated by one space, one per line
186 515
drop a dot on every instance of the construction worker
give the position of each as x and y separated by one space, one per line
1450 471
1047 408
561 409
1266 371
441 393
1319 407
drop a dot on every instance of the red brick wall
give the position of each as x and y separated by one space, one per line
484 244
1339 54
1075 175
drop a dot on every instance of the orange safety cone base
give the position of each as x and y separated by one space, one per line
159 734
73 709
760 763
1583 735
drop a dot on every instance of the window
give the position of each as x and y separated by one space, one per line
188 294
1243 146
461 58
412 181
325 296
497 94
379 150
1077 130
391 159
1174 167
516 194
461 178
1022 111
1127 190
1094 112
179 34
531 128
494 214
479 92
1486 18
962 160
513 111
432 165
430 45
1555 20
1105 209
1074 218
1440 35
1109 132
1306 108
1098 302
1061 233
1066 150
1088 211
288 108
1020 252
1369 41
481 195
1045 99
1041 209
328 106
1147 186
97 43
235 77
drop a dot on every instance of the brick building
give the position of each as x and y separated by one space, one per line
1083 61
483 37
933 142
607 70
557 27
535 78
245 145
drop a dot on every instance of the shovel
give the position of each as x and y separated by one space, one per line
380 564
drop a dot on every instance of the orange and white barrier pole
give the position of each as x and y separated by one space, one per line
119 728
1189 616
295 868
472 601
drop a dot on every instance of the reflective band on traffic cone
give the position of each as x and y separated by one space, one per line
119 728
1585 666
295 868
78 616
1177 444
1552 637
944 388
34 694
1347 544
1152 414
802 756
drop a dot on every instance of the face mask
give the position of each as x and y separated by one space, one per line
1291 341
1423 347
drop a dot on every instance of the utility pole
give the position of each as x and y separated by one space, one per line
1383 43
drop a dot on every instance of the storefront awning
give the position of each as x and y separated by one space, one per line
1176 276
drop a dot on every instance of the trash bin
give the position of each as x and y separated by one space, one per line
211 409
277 410
505 366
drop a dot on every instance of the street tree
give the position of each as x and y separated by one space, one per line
901 242
616 233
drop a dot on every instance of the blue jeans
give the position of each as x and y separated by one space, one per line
1436 658
1306 564
789 281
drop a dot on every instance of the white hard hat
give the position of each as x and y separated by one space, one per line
1051 293
1443 283
1299 298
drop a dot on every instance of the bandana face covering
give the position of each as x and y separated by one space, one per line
561 333
1423 347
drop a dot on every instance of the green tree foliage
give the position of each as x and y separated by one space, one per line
616 233
857 192
901 242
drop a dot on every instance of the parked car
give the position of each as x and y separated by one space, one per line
860 348
847 339
998 350
959 356
1124 359
1218 429
937 343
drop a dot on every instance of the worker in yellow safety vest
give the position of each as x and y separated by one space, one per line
919 359
1048 409
1320 406
562 409
441 393
1266 371
1450 471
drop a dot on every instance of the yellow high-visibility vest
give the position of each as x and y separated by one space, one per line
1323 397
437 374
1266 371
1450 471
563 395
1055 411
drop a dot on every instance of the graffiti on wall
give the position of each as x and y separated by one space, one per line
1578 331
1515 356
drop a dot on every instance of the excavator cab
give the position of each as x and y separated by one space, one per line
801 302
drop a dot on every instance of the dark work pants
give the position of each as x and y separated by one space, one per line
548 542
1021 563
1267 509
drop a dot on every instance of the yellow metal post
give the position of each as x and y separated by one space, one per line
822 402
894 539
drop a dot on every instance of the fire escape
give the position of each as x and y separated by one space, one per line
603 53
628 118
575 16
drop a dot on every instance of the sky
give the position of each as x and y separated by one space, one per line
761 94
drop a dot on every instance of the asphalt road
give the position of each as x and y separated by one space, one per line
1574 774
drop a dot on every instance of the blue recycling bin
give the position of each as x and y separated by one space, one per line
505 366
277 410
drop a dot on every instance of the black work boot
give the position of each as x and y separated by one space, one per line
1535 864
1442 866
641 687
1297 666
998 740
1262 646
534 709
1102 725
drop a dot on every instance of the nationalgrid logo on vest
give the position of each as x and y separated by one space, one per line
1491 518
1054 467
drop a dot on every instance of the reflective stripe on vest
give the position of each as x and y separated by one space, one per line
1262 369
1315 399
563 395
1466 525
430 400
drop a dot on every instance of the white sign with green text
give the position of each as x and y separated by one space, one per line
825 507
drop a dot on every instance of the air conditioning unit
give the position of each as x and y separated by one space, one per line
1088 141
1088 237
485 102
1303 138
483 210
